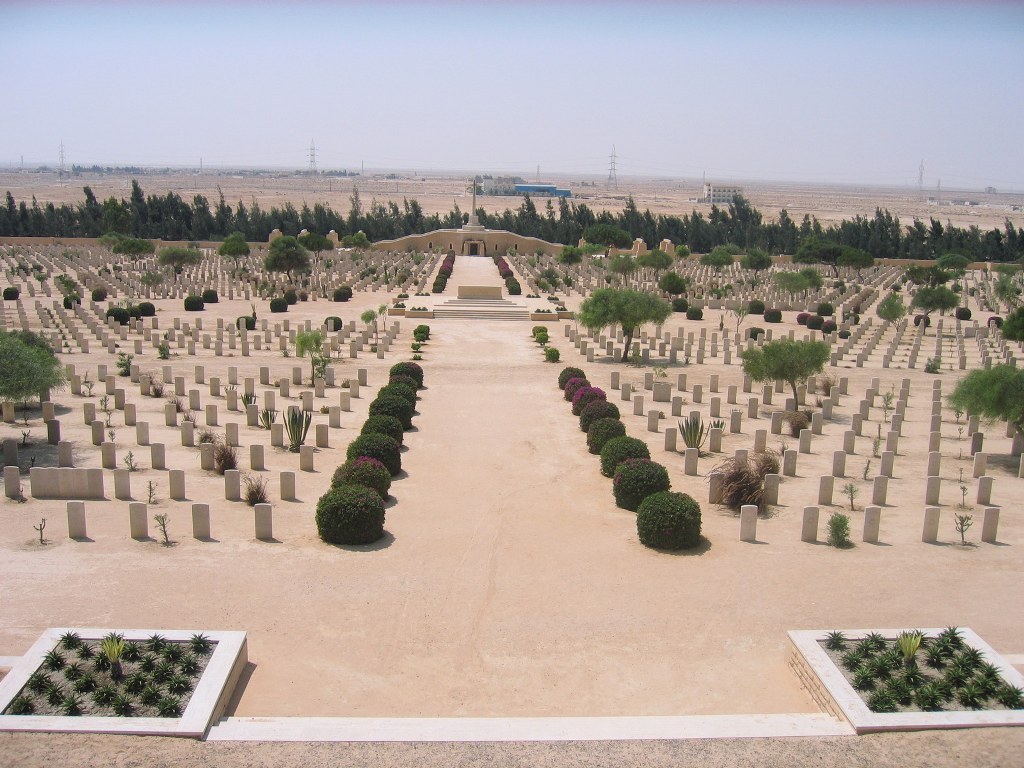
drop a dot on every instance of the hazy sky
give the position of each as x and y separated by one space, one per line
785 91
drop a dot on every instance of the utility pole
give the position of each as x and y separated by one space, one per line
60 173
920 181
312 158
613 178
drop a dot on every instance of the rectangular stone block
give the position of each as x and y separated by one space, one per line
157 456
872 522
809 526
76 520
748 522
287 486
990 525
264 522
138 520
930 530
201 522
176 484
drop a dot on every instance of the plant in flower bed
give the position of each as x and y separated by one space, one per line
636 479
584 396
599 409
109 677
572 386
384 449
916 673
384 425
366 472
568 373
387 404
350 514
603 430
412 370
618 449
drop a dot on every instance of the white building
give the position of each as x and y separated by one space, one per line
719 195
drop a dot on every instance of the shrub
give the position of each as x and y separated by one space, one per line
364 471
802 318
569 373
99 294
815 322
538 329
333 323
755 307
844 334
572 387
668 520
743 481
210 296
825 309
70 301
11 293
248 322
255 489
680 305
597 409
291 297
381 424
994 320
278 304
193 303
350 514
225 457
918 319
603 430
797 420
399 378
342 293
551 355
755 332
585 396
541 338
694 313
384 449
636 479
421 333
963 313
412 370
618 449
839 530
829 326
393 405
400 389
773 315
513 287
120 314
933 365
147 309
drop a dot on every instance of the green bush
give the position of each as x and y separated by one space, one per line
755 332
291 297
70 301
99 294
963 313
569 373
584 397
541 338
513 287
694 313
599 409
248 322
402 389
147 309
826 310
551 355
278 304
384 449
333 323
680 305
755 307
773 315
121 314
668 520
603 430
366 472
342 293
381 424
210 296
815 322
393 405
398 378
618 449
412 370
421 333
572 387
839 530
350 514
636 479
193 303
11 293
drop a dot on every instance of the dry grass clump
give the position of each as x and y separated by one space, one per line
254 490
797 420
743 480
225 457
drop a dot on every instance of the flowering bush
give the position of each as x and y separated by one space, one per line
390 404
350 514
569 373
603 430
773 315
584 396
802 318
412 370
815 322
363 471
381 447
618 449
572 387
668 520
381 424
598 409
636 479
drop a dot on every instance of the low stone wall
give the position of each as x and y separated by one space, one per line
479 292
66 483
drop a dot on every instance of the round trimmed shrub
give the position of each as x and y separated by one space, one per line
668 520
918 319
618 449
680 305
350 514
584 397
248 322
400 389
99 294
694 313
381 424
291 297
598 409
70 302
755 307
826 310
552 355
538 329
572 387
636 479
995 320
603 430
278 304
815 322
11 293
963 313
802 318
384 449
210 296
541 338
829 326
393 405
513 287
121 314
569 373
755 332
366 472
773 315
146 309
333 323
193 303
412 370
399 378
844 334
342 293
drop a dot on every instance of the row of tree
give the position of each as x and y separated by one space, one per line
169 217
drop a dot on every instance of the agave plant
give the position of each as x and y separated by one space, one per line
150 695
70 641
693 431
836 641
929 697
122 705
297 425
104 696
882 701
908 643
248 398
1010 696
971 696
22 705
267 417
112 647
200 644
169 706
72 705
864 679
935 656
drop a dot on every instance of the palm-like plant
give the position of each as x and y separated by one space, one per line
112 647
296 424
311 343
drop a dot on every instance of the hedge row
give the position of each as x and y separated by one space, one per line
444 274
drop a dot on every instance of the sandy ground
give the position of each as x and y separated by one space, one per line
509 583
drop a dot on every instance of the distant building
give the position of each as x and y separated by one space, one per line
719 195
543 190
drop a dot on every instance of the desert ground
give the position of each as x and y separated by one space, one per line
509 583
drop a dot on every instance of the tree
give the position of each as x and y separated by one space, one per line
234 246
673 283
655 260
756 259
992 393
891 308
786 360
317 243
311 343
682 252
570 255
812 276
623 265
27 367
935 298
368 317
132 246
177 257
607 234
717 259
286 254
930 276
790 282
1007 291
1013 328
953 262
358 240
855 258
608 307
151 279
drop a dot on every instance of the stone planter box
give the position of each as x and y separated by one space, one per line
397 311
543 316
565 315
419 313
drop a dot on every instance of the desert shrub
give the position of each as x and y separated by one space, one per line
400 389
120 314
844 334
585 396
572 387
364 471
680 305
70 301
773 315
551 355
513 287
802 318
254 489
210 296
278 304
538 329
342 293
618 449
797 421
569 373
829 326
11 293
225 457
421 333
933 365
412 370
694 313
303 296
248 322
743 480
839 530
350 514
668 520
825 309
755 307
597 409
636 479
399 378
919 319
542 337
603 430
393 405
193 303
994 320
815 322
291 297
147 309
333 323
384 449
381 424
963 313
755 332
99 294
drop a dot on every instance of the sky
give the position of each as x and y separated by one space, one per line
837 92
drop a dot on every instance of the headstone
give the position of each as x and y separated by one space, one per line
809 528
748 522
201 522
76 520
872 522
176 484
930 530
138 520
287 486
990 525
264 522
